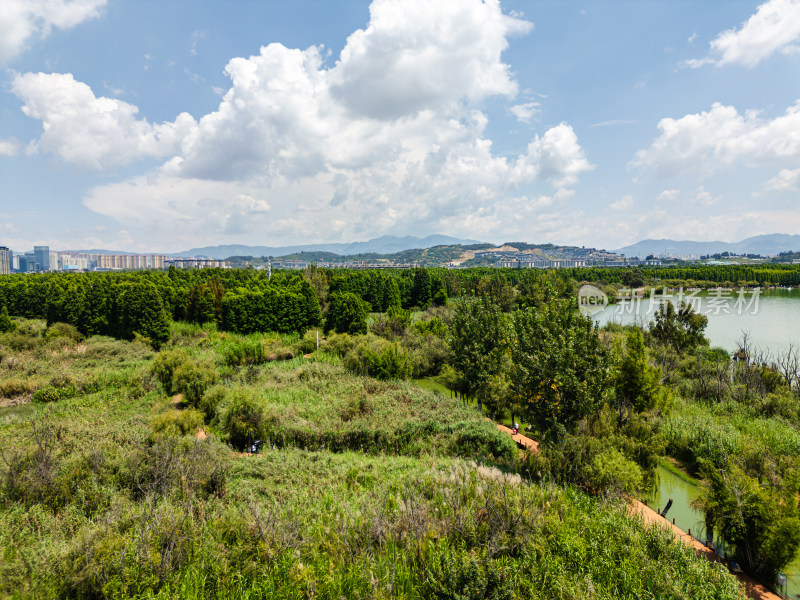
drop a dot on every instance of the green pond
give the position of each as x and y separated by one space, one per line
771 318
682 493
10 414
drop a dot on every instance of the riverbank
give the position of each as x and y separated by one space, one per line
751 587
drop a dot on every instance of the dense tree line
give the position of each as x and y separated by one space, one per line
247 300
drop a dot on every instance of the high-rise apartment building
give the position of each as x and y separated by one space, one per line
5 260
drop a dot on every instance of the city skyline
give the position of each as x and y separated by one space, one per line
160 126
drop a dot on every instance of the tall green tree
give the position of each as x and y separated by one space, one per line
6 324
681 328
637 384
421 288
347 313
478 342
142 312
761 524
560 369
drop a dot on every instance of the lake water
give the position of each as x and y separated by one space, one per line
771 318
688 518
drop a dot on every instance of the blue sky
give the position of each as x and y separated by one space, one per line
150 125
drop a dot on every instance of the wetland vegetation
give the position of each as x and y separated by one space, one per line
124 469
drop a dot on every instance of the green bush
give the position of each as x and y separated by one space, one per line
46 394
340 343
63 331
20 341
9 388
244 352
308 343
244 421
192 378
212 400
164 367
6 324
428 353
347 313
392 325
433 326
378 358
611 473
177 422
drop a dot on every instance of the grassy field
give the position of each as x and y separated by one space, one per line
363 489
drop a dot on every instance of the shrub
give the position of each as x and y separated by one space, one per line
211 401
611 473
177 422
244 421
347 313
378 358
309 342
427 353
339 343
393 324
47 394
63 331
192 378
6 324
164 366
244 352
433 326
355 407
19 341
15 387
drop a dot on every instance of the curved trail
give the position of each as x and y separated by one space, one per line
751 587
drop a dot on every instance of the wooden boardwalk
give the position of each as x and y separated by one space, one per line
525 442
750 586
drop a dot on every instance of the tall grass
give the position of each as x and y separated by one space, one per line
367 493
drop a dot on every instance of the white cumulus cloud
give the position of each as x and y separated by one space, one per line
390 136
417 55
9 147
668 196
775 26
787 180
92 132
624 203
20 20
525 112
716 139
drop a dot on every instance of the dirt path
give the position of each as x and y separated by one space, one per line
751 587
523 441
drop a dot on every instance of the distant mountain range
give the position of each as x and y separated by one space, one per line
766 245
387 244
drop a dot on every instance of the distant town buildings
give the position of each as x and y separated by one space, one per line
42 259
561 257
5 260
540 263
195 263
